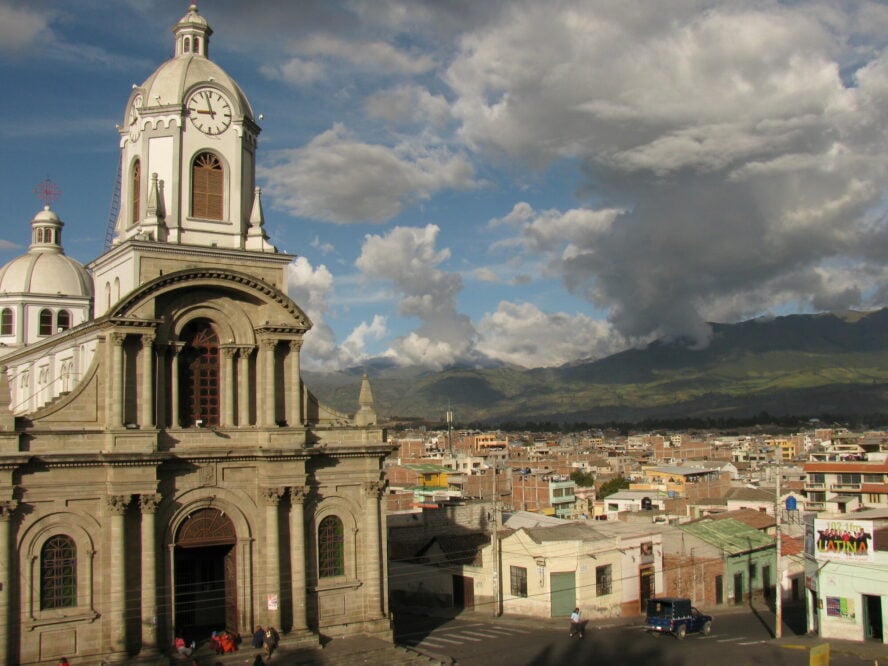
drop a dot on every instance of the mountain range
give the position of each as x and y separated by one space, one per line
798 365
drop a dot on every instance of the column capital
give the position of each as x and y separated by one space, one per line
148 339
295 345
374 488
176 347
117 504
244 352
272 496
116 338
7 508
268 344
298 494
148 502
229 352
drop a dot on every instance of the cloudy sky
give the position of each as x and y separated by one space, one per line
522 182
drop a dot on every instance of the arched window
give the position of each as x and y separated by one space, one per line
58 573
199 375
331 548
188 45
197 45
136 191
45 327
6 321
63 320
107 295
207 180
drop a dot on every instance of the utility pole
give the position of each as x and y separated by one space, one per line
449 430
497 562
778 599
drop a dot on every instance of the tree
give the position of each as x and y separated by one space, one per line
612 486
582 479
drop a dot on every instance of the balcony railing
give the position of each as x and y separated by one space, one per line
815 486
844 486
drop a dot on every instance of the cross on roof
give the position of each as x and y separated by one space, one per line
47 192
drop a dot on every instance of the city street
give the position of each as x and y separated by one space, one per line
477 639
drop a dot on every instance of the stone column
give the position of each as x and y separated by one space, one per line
175 420
228 386
7 508
116 393
148 399
373 596
161 387
272 497
243 385
116 511
294 395
297 556
266 388
148 505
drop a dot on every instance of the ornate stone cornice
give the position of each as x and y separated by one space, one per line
216 275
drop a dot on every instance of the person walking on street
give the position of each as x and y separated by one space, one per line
576 626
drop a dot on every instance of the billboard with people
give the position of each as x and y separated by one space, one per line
841 539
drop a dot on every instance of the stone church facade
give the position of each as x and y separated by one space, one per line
163 469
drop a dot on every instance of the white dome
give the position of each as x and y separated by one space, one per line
45 273
190 67
172 81
45 270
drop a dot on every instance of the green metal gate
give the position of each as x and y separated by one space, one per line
563 586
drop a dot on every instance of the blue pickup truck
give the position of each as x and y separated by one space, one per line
671 615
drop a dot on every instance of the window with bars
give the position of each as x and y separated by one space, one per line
207 180
45 326
199 375
6 321
331 548
603 580
58 573
518 576
63 320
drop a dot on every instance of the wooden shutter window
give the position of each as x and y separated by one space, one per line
207 179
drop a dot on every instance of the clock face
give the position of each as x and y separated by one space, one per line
209 111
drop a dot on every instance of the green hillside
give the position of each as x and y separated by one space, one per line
795 365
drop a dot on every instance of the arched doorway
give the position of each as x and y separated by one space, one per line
205 561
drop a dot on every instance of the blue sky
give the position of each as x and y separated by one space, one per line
520 182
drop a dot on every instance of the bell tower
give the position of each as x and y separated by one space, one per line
188 168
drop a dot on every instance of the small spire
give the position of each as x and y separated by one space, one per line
153 226
366 415
256 237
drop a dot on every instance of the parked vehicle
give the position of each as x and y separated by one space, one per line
676 616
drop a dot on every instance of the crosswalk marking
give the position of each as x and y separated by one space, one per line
482 634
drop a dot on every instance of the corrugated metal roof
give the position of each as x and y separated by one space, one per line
729 534
427 468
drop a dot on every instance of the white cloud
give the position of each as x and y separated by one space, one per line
522 334
409 104
296 71
728 160
22 30
371 56
408 259
338 178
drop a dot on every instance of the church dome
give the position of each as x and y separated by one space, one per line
171 82
45 269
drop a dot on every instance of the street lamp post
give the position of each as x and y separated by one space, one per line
778 600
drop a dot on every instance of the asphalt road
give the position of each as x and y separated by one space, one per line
739 639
